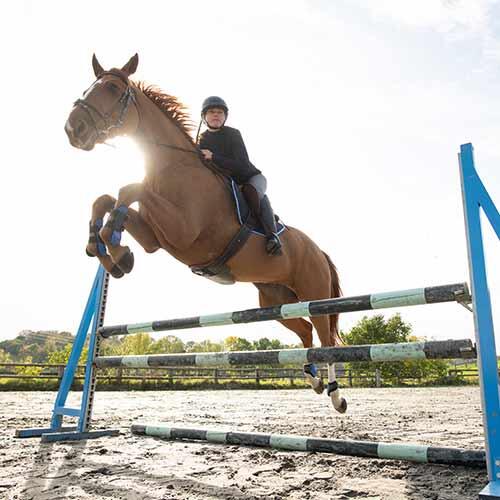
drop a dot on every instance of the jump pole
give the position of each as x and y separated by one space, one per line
369 449
444 349
457 292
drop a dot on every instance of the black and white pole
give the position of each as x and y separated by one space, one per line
369 449
436 349
457 292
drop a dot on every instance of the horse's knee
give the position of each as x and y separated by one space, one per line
103 204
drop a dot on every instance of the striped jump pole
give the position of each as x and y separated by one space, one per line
409 452
442 349
457 292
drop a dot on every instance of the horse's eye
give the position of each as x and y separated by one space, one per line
112 86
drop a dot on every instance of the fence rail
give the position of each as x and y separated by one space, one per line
169 375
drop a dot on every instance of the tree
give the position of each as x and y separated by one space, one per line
204 346
61 356
140 343
377 330
5 357
168 344
264 344
237 344
28 370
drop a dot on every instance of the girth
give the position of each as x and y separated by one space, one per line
217 270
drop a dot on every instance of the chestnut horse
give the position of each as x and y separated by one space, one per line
186 209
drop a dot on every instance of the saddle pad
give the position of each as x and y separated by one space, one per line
242 211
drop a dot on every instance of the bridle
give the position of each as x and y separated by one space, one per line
127 97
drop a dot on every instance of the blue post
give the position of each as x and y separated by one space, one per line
56 432
76 351
476 197
86 406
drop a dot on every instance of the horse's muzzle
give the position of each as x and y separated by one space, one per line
80 134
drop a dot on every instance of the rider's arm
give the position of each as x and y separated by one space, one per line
239 165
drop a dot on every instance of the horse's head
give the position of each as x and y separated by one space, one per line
106 109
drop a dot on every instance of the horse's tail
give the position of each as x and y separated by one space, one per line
336 292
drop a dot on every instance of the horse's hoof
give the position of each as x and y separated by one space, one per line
319 388
343 406
126 263
116 272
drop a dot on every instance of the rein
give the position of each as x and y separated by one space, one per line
128 96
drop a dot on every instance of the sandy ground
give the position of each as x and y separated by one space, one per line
135 467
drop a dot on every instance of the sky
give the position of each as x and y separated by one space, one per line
354 110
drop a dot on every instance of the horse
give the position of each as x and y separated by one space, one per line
185 208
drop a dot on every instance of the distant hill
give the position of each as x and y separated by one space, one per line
36 345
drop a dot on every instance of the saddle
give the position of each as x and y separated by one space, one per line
217 270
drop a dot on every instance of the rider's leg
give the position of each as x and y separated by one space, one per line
255 193
273 245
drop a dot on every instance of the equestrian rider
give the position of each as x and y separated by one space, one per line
224 146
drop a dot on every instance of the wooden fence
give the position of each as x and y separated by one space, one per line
170 375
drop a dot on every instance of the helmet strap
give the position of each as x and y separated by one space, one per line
198 132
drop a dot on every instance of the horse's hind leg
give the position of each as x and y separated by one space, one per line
322 324
313 281
272 295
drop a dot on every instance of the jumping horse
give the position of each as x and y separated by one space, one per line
186 208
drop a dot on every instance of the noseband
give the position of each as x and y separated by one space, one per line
124 101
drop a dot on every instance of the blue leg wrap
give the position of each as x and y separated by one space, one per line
116 237
94 237
115 221
311 369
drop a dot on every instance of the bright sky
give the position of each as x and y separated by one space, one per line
354 110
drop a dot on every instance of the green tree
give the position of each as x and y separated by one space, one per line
5 357
140 343
28 370
377 330
61 356
264 344
204 346
168 344
234 343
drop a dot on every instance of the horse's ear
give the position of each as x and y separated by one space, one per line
98 70
131 66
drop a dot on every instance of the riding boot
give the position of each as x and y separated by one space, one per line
266 217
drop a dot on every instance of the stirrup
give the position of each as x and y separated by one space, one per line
273 245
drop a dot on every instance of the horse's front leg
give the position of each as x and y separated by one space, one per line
95 246
123 217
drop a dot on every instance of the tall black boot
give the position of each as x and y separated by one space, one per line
266 216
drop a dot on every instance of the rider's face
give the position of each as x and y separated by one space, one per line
215 117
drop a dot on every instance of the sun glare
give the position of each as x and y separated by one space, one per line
119 165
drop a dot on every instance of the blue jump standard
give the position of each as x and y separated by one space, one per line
409 452
457 292
443 349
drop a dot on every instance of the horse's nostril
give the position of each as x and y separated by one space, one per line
81 128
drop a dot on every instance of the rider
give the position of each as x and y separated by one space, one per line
224 146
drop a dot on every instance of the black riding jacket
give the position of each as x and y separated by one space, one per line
229 153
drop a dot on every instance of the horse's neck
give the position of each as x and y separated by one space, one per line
170 170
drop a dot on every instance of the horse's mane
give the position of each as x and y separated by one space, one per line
170 106
176 111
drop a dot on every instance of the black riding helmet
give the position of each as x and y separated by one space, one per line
211 102
214 102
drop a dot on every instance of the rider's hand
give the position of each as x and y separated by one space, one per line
207 154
